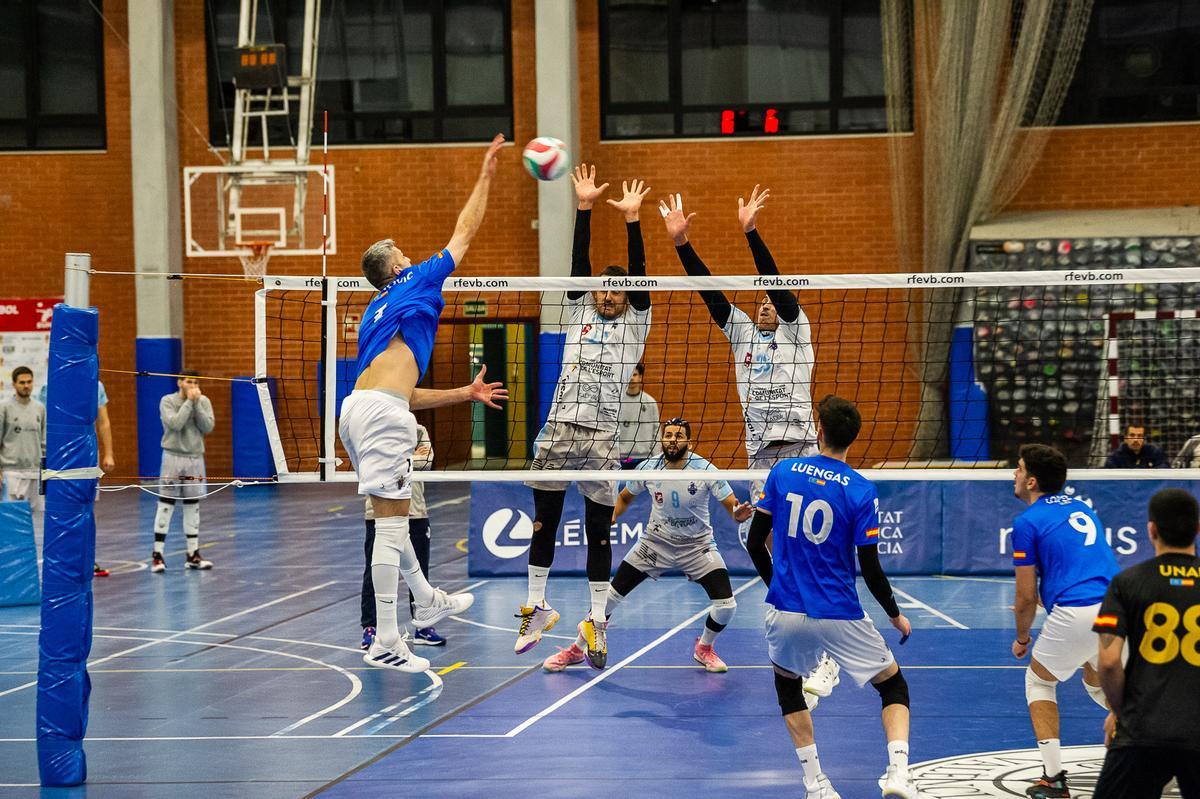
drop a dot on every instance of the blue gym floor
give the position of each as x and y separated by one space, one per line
246 681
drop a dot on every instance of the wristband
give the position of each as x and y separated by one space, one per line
1027 642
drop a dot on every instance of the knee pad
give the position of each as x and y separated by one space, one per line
391 537
191 519
722 610
893 690
1039 690
1097 695
790 691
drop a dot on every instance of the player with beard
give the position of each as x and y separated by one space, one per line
605 337
679 535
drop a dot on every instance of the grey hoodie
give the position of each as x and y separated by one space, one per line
185 424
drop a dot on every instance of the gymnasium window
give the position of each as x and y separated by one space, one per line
719 68
388 71
1140 63
51 75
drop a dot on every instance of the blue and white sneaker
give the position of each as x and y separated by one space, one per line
427 636
368 638
398 657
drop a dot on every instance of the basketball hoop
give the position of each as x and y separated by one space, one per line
254 256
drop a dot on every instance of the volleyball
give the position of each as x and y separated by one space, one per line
546 158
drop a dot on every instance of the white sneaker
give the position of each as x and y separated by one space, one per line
398 657
821 789
534 621
897 784
443 606
823 678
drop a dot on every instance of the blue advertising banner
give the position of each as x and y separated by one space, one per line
501 527
977 520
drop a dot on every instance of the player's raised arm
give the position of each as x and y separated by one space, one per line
678 226
786 303
629 205
586 192
490 394
471 216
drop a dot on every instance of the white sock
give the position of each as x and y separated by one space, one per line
162 522
599 594
611 603
1051 756
537 586
386 580
898 754
707 635
191 526
809 762
391 535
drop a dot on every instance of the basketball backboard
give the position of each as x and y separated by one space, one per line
272 202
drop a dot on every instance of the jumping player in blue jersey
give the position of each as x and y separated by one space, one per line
1059 541
395 342
818 511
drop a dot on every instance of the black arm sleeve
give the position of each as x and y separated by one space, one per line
640 300
718 306
786 304
876 580
756 545
581 262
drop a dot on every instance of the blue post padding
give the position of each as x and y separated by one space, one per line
69 550
18 555
154 355
550 355
968 400
251 448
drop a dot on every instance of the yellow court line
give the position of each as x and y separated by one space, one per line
337 508
452 667
461 545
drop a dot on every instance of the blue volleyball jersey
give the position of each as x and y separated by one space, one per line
409 305
821 510
1063 537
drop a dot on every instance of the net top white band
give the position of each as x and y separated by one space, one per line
889 280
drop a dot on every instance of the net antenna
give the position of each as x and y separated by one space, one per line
261 196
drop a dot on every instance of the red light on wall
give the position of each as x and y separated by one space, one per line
727 122
771 123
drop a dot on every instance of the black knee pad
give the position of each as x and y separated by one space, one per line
191 502
893 690
167 500
790 691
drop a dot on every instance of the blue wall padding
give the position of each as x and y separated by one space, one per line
550 356
69 548
18 555
163 354
968 401
251 448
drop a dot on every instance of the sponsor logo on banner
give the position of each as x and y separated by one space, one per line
1008 774
508 531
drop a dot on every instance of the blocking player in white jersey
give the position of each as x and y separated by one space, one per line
772 360
606 335
679 535
395 343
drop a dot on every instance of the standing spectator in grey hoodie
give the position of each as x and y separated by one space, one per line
187 417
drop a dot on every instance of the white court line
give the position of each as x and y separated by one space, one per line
916 603
604 675
473 586
445 503
434 690
197 628
474 623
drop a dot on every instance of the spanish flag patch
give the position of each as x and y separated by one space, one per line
1106 621
1018 554
873 533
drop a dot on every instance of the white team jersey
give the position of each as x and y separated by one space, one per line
598 361
679 508
774 379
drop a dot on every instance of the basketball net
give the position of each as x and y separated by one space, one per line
254 259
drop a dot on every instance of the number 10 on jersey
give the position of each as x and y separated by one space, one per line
804 518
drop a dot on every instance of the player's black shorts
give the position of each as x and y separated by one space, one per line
1141 772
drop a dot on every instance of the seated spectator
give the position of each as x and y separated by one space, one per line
1135 453
1189 455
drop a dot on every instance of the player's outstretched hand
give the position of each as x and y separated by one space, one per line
743 512
677 224
585 186
1020 650
490 157
632 195
748 211
488 393
902 624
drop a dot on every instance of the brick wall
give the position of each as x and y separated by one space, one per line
830 212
